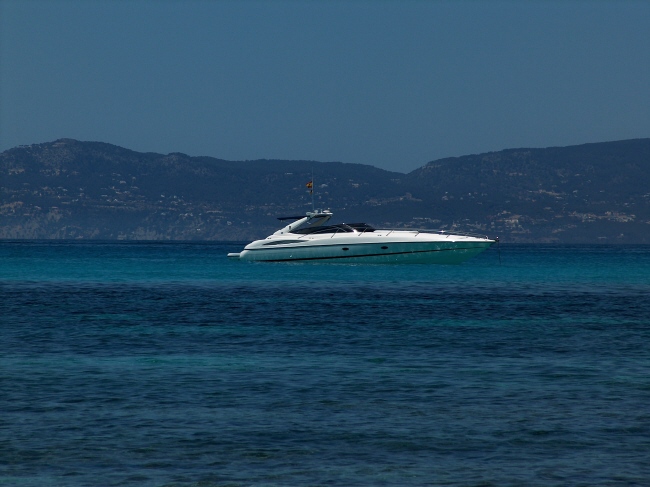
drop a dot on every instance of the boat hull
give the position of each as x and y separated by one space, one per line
440 252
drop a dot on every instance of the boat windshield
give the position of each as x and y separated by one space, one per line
361 227
340 227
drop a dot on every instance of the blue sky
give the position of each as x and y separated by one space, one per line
386 83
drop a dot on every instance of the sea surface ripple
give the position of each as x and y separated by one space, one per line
169 365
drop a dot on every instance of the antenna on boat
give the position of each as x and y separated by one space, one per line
311 190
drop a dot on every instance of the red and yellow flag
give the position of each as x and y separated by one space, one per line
310 184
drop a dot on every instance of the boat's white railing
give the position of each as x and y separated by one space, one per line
329 229
447 233
416 231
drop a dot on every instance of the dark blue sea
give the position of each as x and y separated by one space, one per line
166 364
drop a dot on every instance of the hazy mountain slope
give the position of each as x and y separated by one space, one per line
71 189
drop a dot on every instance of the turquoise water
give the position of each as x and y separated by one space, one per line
166 364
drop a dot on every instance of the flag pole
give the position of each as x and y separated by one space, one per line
313 208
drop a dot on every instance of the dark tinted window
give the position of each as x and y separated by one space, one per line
341 227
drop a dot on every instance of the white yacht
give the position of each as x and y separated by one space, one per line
307 238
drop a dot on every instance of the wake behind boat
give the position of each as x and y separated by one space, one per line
309 239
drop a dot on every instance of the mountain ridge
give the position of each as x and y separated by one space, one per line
587 193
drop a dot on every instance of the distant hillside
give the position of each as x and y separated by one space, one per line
71 189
